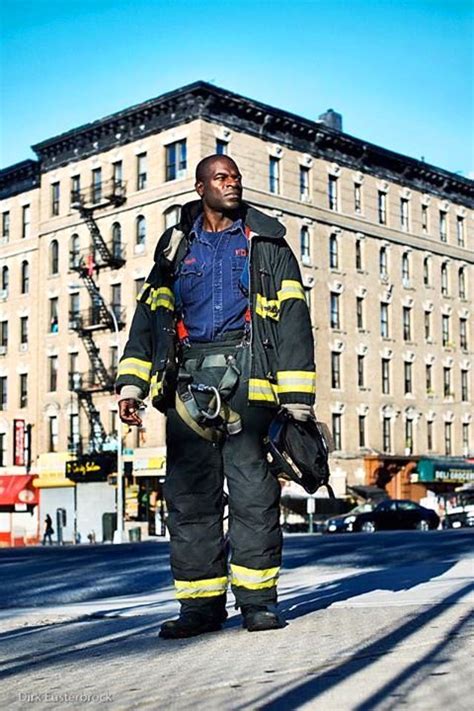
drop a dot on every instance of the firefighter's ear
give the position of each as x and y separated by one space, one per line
199 187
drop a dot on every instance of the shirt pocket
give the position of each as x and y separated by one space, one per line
238 264
192 283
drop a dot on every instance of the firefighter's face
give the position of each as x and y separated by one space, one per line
221 187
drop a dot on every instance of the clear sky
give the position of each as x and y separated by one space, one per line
399 71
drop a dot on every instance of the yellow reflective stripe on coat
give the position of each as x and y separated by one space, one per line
270 308
291 289
296 381
200 588
145 286
135 366
162 296
263 390
155 385
252 578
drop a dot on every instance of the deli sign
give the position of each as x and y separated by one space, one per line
94 467
19 443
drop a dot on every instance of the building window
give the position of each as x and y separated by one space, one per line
116 300
25 277
114 360
53 315
429 379
426 271
74 310
407 378
141 171
54 199
447 389
305 251
23 330
462 283
333 252
5 226
406 323
337 431
386 435
408 436
4 336
465 439
361 371
73 373
25 221
176 160
221 147
404 214
53 433
443 226
360 312
427 322
75 189
445 327
362 430
382 207
384 329
444 279
172 216
383 267
448 443
385 376
5 281
140 236
74 434
53 373
357 198
3 392
304 183
335 370
117 175
116 240
54 257
274 175
406 269
460 231
74 251
23 401
334 308
96 185
464 385
358 255
429 435
463 333
332 192
424 219
3 450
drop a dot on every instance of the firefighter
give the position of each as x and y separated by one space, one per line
220 340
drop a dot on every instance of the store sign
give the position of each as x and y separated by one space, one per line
432 470
19 437
91 468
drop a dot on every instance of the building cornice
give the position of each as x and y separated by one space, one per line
19 178
205 101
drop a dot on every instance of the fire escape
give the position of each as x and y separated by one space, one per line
101 316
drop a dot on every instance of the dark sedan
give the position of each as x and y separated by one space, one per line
388 515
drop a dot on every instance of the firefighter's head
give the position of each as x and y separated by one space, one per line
219 183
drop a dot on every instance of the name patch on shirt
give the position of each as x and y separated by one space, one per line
240 252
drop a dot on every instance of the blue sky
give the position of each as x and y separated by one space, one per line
400 71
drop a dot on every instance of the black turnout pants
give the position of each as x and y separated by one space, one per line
193 489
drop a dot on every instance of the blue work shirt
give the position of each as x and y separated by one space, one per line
210 285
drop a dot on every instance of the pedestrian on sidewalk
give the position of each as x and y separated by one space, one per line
48 530
220 340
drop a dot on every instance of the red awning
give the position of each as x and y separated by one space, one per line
17 489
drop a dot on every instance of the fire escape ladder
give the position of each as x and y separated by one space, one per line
98 368
106 257
98 435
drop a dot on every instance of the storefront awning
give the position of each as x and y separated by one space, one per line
17 491
444 471
368 493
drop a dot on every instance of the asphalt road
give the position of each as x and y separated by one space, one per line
375 621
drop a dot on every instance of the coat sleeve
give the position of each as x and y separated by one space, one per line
136 362
296 374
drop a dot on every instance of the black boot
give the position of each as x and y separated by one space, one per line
195 619
257 618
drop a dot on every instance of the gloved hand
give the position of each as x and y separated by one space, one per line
300 412
129 402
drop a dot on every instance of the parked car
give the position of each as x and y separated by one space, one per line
345 522
388 515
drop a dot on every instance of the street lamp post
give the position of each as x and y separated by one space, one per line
118 533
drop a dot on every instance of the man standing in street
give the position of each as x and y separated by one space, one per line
221 339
